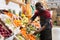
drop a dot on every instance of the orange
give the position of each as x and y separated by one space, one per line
17 22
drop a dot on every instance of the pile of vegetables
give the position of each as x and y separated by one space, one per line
20 24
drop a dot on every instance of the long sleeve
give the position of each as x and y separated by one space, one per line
34 16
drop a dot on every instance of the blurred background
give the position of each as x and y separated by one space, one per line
16 7
52 5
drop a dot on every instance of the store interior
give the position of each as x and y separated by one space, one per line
16 14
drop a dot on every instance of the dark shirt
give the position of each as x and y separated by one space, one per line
45 17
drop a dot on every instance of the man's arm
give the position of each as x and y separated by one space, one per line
33 17
43 27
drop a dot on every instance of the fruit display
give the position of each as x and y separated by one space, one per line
31 37
4 32
8 21
9 14
14 25
17 22
26 9
31 29
17 27
20 37
37 36
24 20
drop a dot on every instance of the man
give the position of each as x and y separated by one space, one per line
45 23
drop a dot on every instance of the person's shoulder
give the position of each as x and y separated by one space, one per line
47 11
36 11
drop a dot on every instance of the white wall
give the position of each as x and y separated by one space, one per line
11 6
56 33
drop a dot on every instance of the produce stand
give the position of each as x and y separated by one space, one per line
17 27
14 27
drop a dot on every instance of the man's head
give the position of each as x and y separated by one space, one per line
38 5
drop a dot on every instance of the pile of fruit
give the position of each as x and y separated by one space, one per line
17 27
4 31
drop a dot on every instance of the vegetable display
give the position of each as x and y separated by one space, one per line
17 27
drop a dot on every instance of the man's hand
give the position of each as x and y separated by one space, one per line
39 30
30 22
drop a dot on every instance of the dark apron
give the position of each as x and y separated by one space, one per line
46 34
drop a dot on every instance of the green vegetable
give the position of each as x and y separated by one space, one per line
20 37
38 35
8 21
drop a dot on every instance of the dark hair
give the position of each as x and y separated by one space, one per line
39 7
38 4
